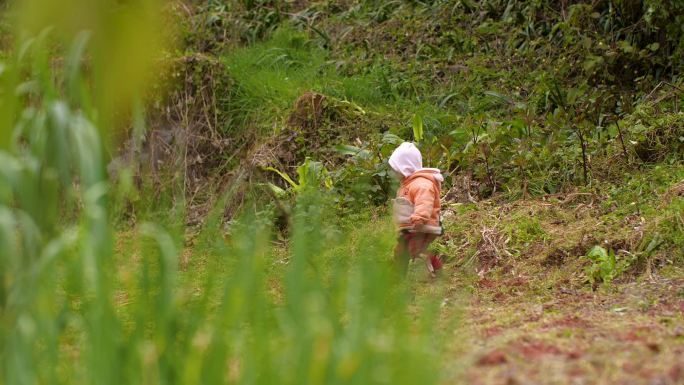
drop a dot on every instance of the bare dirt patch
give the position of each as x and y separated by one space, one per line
575 336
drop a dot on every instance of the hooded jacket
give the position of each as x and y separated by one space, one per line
420 186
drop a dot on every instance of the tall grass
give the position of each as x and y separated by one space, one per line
269 76
81 303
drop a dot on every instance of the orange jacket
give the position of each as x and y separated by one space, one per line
422 189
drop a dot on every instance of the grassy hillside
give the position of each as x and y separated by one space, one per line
520 97
558 125
197 191
510 99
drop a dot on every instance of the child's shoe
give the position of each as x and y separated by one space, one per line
433 264
436 263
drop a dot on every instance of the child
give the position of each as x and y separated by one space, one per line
417 207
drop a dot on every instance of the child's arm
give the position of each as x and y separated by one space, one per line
423 195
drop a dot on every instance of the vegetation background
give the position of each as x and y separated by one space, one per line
196 191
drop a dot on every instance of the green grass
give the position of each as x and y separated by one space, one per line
85 299
270 76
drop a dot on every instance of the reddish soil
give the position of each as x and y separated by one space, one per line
630 333
495 357
571 321
534 350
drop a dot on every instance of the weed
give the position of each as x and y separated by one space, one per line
312 175
605 266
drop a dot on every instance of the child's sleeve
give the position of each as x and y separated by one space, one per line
424 202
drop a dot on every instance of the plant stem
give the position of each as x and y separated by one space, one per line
584 155
622 141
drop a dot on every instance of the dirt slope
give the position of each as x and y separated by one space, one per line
632 334
530 315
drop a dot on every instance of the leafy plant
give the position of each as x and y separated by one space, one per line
417 125
365 177
604 267
311 174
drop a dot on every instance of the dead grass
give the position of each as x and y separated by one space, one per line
315 125
532 318
673 192
577 337
539 236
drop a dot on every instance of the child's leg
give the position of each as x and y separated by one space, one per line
402 253
419 245
413 245
435 262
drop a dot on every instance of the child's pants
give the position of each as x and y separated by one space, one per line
411 246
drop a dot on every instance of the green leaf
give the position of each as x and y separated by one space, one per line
75 61
625 46
313 174
417 127
277 190
468 4
501 97
390 138
592 62
347 149
597 253
284 176
446 99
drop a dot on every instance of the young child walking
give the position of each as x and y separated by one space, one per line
416 208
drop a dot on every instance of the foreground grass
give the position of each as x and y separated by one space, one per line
340 319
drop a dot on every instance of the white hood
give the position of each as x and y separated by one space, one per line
406 160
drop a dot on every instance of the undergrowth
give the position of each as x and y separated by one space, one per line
520 99
572 103
84 302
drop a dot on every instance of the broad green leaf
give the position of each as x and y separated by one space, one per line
625 46
347 149
279 192
284 176
391 138
417 127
